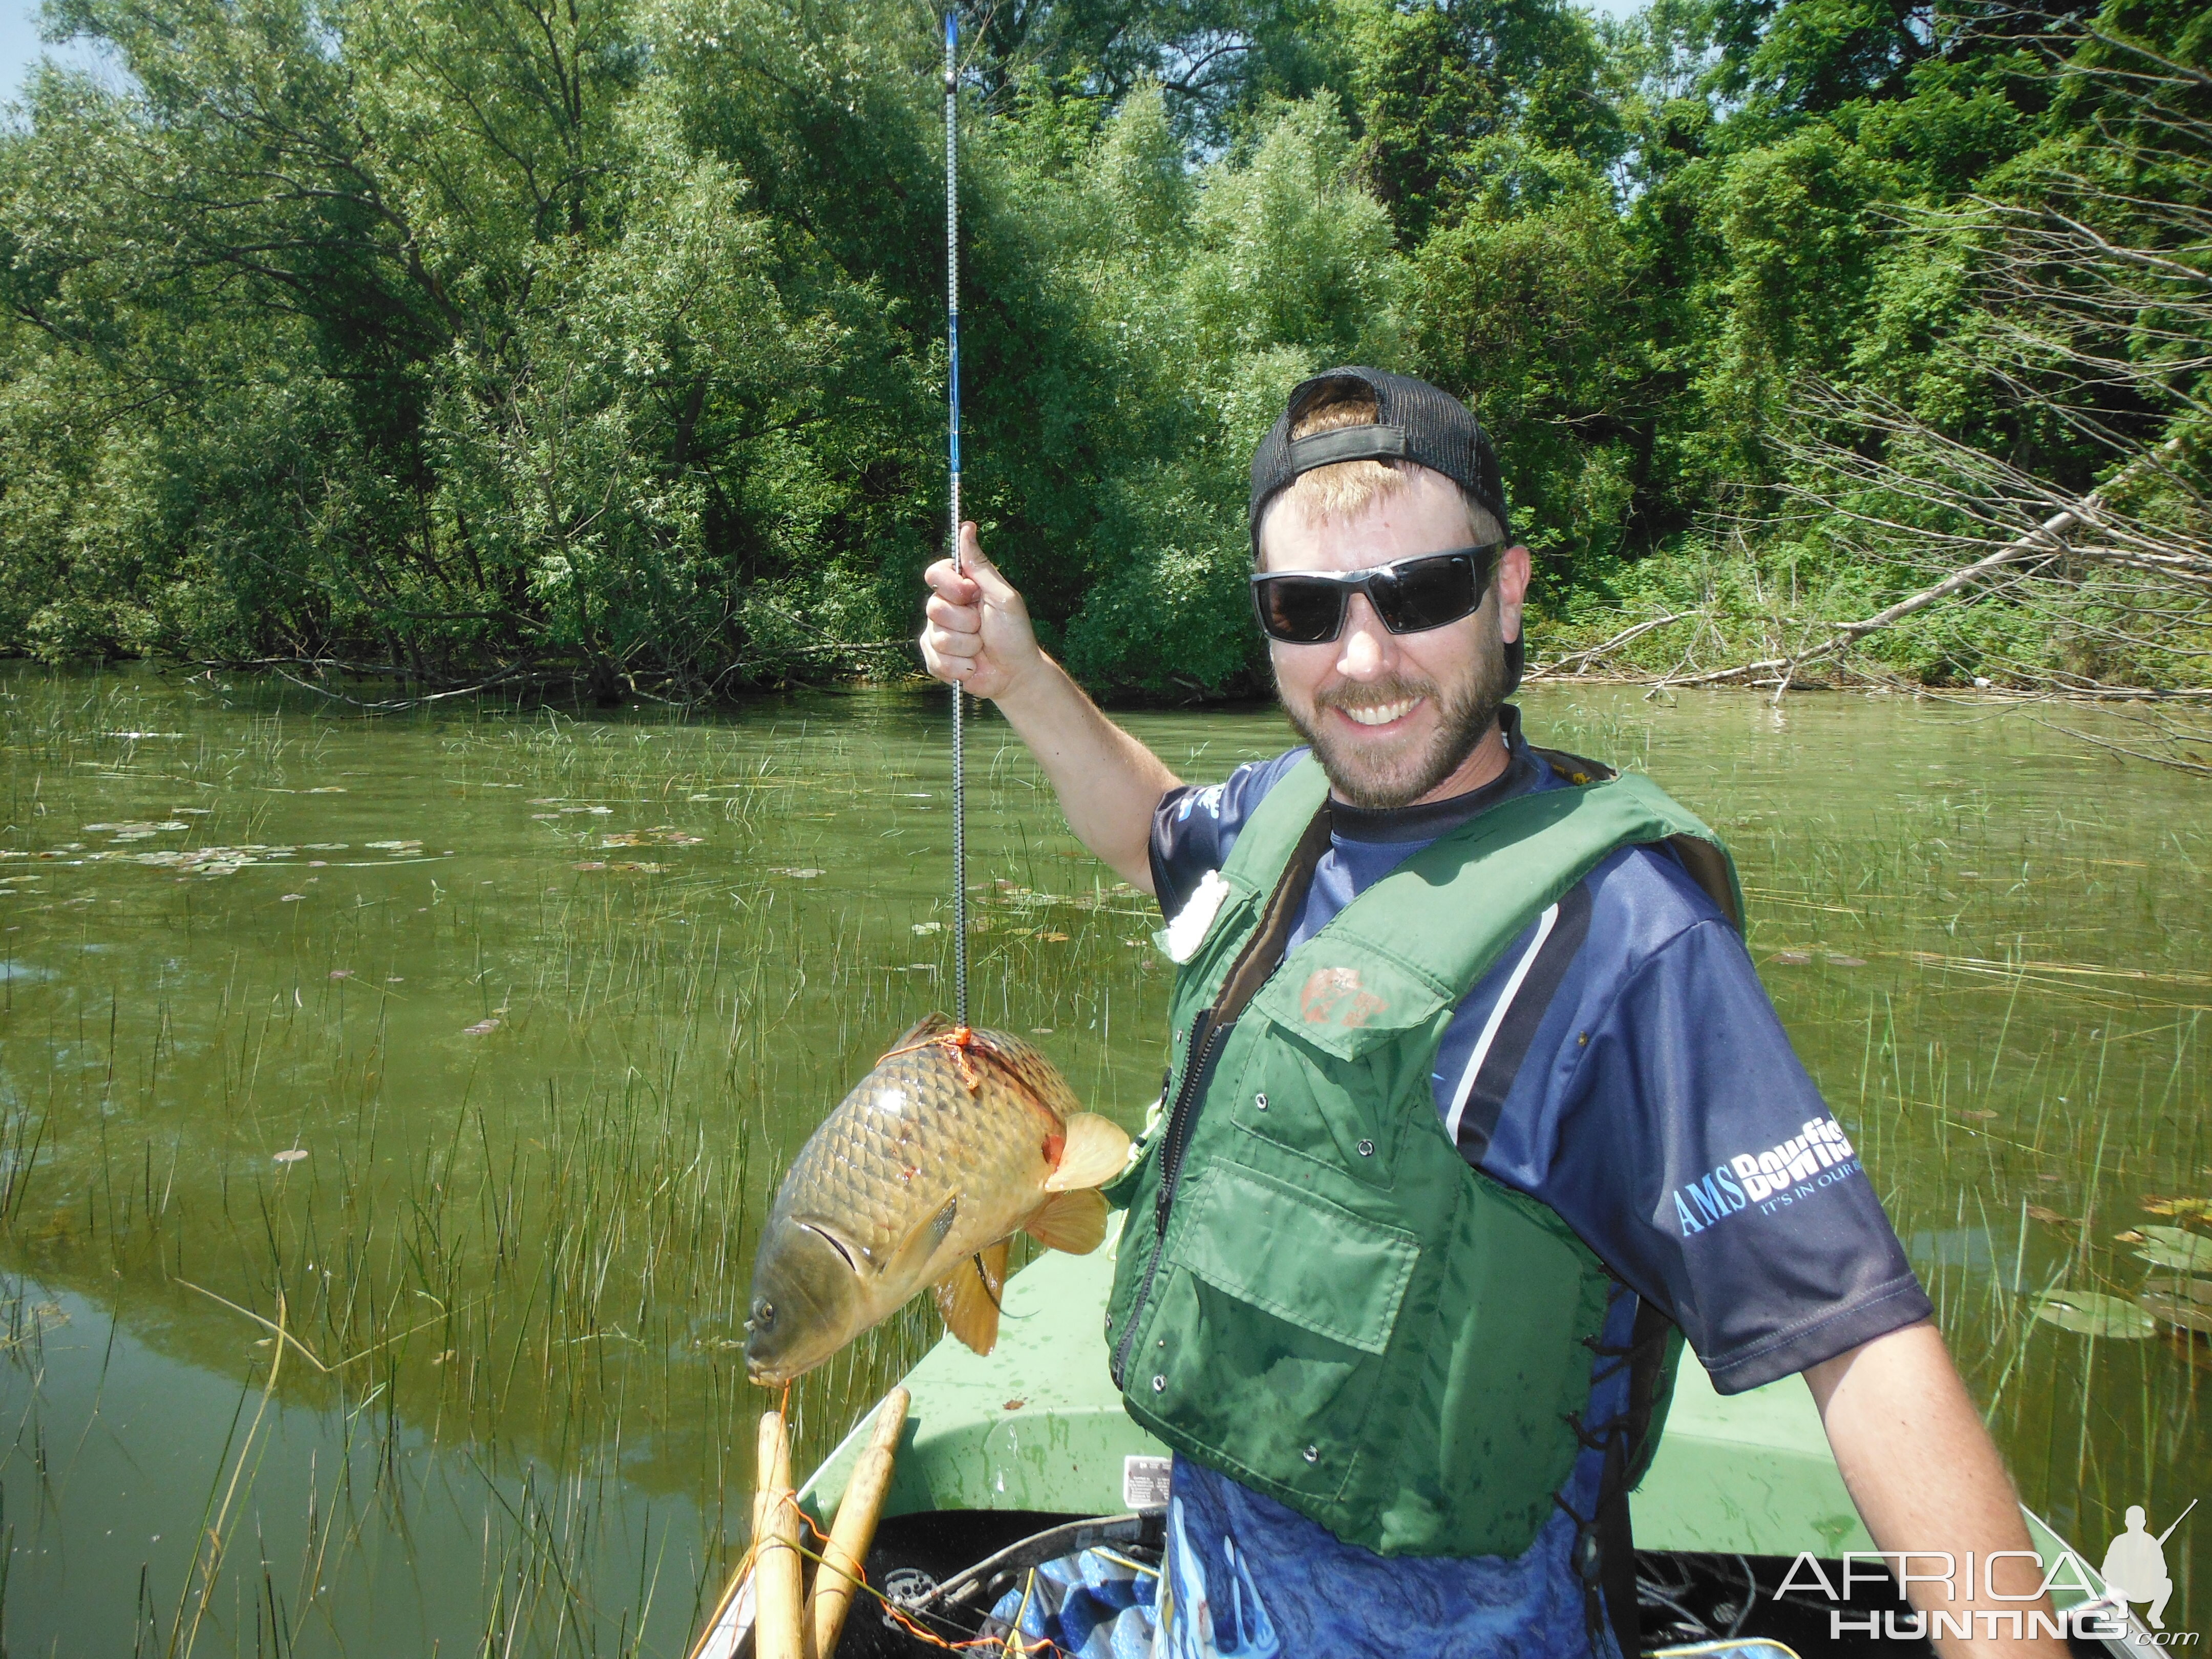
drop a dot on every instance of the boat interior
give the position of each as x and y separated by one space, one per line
1023 1457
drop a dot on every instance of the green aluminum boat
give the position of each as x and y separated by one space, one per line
1013 1459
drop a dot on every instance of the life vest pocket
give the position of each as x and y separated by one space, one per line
1345 997
1267 1345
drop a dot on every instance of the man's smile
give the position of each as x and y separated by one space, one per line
1378 713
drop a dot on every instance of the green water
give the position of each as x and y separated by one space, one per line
473 1061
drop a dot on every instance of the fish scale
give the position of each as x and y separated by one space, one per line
979 1121
915 1113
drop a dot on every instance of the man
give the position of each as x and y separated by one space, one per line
1408 1375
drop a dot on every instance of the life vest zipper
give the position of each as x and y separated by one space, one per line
1174 1141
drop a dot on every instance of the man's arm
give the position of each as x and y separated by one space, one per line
1926 1476
979 636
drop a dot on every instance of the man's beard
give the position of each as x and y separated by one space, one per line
1381 783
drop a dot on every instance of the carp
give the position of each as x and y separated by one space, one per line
955 1142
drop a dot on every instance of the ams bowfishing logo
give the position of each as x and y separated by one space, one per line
1818 1155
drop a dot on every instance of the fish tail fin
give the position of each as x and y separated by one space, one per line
1097 1149
1073 1222
969 1300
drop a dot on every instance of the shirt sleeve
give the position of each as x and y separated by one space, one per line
1193 828
1702 1165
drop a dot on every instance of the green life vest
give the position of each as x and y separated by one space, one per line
1315 1293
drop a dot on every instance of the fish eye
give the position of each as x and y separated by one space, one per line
764 1315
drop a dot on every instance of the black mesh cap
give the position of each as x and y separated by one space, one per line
1415 421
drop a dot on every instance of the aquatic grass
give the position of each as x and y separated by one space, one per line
2018 1097
519 1260
514 1265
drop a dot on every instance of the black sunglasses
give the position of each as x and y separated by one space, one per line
1307 607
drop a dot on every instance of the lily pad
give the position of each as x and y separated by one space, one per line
2185 1303
2090 1313
665 836
2174 1247
2199 1209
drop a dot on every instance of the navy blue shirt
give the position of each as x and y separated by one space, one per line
1621 1062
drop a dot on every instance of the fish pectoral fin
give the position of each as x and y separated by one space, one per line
908 1262
969 1300
1073 1222
1097 1149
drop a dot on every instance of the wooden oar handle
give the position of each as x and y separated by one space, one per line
854 1530
777 1598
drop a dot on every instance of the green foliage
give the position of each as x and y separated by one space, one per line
469 337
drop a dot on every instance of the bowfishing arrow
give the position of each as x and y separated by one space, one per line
959 564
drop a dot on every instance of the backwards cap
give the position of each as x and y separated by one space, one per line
1414 421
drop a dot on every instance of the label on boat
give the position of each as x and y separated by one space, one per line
1144 1482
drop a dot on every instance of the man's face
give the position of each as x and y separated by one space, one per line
1395 718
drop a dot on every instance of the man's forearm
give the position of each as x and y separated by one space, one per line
1926 1477
1108 782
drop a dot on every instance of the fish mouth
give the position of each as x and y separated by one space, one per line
767 1377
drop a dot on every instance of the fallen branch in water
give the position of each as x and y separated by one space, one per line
1553 670
2171 763
399 705
2045 541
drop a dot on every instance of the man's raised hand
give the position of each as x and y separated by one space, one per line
978 634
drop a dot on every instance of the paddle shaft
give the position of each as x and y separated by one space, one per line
854 1528
777 1599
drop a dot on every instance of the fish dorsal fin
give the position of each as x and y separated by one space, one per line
1097 1149
1026 1063
969 1299
911 1258
929 1025
1073 1222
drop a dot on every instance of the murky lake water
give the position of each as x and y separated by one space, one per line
443 1066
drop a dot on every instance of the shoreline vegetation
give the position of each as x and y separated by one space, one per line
598 348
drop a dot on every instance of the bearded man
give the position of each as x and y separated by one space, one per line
1476 1109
